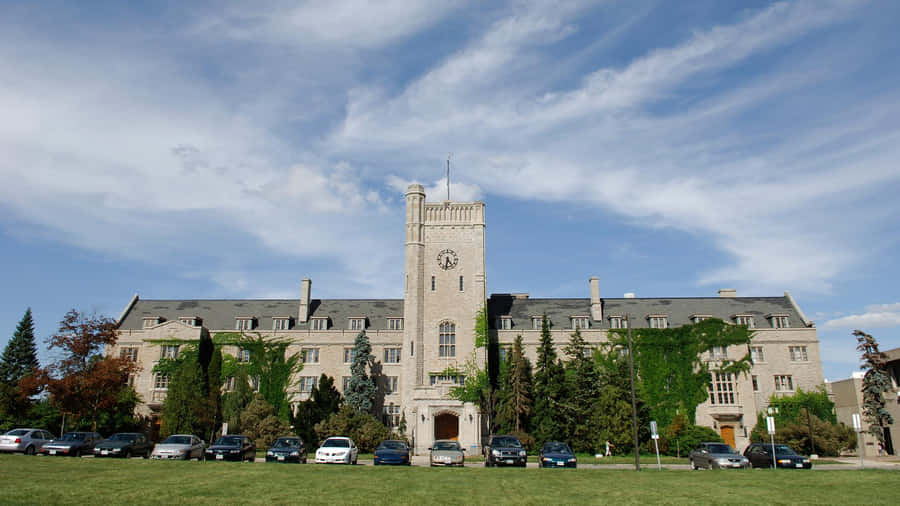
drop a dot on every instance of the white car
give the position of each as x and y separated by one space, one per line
337 450
179 447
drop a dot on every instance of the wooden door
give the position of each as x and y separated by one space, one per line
728 435
446 426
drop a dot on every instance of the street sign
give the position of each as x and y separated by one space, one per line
654 434
857 426
770 424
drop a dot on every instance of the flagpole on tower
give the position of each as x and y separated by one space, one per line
448 176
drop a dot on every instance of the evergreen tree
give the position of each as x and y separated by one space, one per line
324 400
515 404
548 420
583 392
185 407
234 402
611 418
20 356
214 398
260 422
361 389
874 385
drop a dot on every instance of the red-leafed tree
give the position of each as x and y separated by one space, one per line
84 383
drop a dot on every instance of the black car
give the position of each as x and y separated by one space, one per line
760 455
504 451
392 452
74 444
238 448
287 449
557 454
124 444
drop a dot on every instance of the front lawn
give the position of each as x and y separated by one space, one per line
63 480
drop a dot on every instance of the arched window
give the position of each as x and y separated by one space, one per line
447 340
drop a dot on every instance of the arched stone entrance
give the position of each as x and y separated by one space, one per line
446 426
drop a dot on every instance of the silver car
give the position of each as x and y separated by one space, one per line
27 441
179 447
447 452
717 456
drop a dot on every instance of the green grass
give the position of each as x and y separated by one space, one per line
61 480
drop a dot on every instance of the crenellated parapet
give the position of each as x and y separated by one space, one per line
454 213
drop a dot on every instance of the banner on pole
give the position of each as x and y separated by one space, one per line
770 424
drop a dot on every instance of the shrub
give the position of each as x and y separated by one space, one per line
260 422
830 438
525 438
362 428
686 439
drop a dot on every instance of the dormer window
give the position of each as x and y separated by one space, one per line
357 323
658 321
395 323
779 320
281 323
697 318
744 319
244 323
580 322
151 321
319 323
618 322
504 323
537 322
190 321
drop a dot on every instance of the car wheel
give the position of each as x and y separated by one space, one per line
693 465
77 454
127 454
354 461
29 450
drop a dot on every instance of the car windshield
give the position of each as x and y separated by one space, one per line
720 449
336 443
556 448
229 440
784 450
507 442
17 432
392 445
123 437
73 436
177 440
286 443
445 446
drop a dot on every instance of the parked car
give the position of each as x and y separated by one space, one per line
287 449
27 441
337 450
446 452
392 452
124 444
179 447
760 455
557 454
504 451
74 444
236 447
717 456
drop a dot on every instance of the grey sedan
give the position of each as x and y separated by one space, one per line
717 456
447 453
179 447
27 441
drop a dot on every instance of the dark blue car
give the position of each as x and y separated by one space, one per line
392 452
557 454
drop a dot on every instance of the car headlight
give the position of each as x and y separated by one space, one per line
545 459
96 450
116 450
806 461
270 453
784 461
495 453
295 454
722 461
521 453
234 451
572 459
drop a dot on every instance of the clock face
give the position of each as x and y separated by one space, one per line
447 259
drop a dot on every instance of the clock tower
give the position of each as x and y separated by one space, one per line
443 292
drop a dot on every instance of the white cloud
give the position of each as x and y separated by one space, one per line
877 316
437 191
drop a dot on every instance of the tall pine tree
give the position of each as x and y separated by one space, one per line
324 400
548 420
583 391
874 385
20 356
185 409
361 389
515 395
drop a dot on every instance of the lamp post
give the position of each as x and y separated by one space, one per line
634 424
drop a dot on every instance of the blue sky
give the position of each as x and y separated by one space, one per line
227 150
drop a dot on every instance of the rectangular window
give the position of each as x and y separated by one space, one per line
756 352
504 323
319 323
784 383
755 383
580 322
697 318
390 385
150 321
798 353
307 383
229 384
536 322
130 380
349 355
281 323
310 355
432 283
169 351
588 351
357 323
129 354
395 323
779 322
744 319
243 323
254 383
392 355
391 416
461 284
243 356
722 389
445 378
718 353
658 322
505 353
412 348
618 322
447 340
161 381
345 382
190 321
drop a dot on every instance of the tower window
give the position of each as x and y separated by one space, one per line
460 283
447 340
432 283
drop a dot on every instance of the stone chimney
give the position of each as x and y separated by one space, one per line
596 306
727 292
303 315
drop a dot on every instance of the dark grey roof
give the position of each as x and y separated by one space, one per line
221 314
679 310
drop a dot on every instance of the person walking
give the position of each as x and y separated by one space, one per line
609 447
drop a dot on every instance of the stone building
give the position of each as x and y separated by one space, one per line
424 341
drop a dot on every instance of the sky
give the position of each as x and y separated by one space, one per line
229 149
